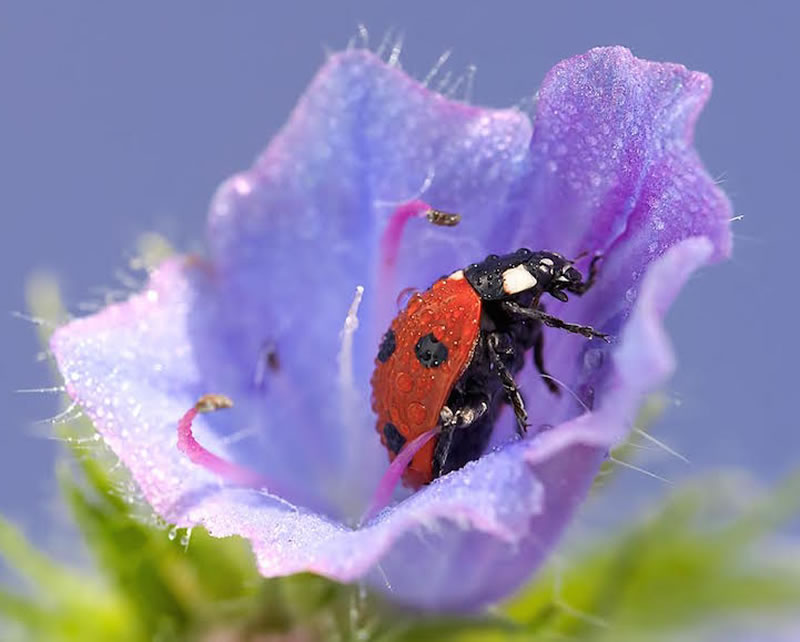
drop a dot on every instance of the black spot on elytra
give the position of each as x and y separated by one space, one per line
430 352
394 440
388 346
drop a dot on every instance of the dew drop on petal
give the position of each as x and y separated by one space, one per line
593 359
186 538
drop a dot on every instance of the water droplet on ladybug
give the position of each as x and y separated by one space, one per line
417 412
406 297
404 382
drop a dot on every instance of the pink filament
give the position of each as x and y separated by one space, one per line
390 479
393 234
390 248
189 446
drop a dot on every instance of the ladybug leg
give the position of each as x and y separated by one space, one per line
554 322
538 361
441 452
451 421
509 385
445 441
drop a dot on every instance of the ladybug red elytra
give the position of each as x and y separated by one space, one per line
449 358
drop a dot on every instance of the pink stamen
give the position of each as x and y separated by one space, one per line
197 454
393 237
390 479
393 234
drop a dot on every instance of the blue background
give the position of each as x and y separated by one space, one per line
118 120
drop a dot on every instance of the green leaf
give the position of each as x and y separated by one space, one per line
129 556
697 559
153 249
428 629
33 565
64 604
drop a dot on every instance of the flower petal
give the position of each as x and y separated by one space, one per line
293 236
614 171
613 139
290 240
478 532
135 368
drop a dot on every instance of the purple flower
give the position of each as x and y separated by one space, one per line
606 164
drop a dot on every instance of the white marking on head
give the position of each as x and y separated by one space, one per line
547 261
456 276
517 280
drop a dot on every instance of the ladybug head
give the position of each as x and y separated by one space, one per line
554 274
524 273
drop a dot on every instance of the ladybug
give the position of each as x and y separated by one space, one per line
449 358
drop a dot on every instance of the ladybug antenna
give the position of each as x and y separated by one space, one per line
579 257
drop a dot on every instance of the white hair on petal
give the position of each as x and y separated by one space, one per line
346 378
436 67
350 398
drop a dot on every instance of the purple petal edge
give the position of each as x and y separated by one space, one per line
478 495
479 532
515 500
644 359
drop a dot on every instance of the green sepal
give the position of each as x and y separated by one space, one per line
696 560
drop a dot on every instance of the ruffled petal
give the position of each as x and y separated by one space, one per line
478 532
292 237
135 368
613 171
612 158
